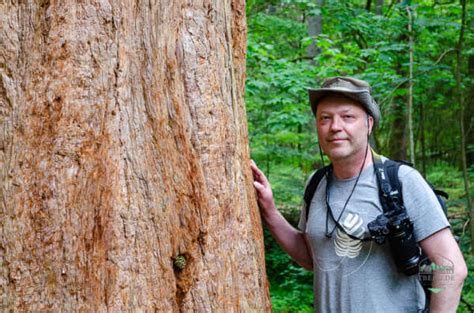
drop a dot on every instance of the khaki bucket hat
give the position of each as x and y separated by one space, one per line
352 88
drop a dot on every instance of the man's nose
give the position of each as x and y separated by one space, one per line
336 123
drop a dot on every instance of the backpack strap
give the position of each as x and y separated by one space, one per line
391 169
389 184
312 186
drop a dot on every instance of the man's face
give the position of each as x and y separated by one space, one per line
342 127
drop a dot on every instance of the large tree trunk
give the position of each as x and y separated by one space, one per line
124 153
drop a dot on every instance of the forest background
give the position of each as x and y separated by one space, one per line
418 58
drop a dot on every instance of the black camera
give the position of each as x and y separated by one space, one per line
397 228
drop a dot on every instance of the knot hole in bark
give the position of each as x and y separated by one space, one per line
183 268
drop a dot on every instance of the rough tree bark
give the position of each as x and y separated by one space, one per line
123 148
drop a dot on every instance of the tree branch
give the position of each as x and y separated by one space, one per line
418 74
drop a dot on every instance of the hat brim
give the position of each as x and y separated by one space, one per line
361 96
315 95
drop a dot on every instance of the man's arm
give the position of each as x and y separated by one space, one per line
289 238
442 250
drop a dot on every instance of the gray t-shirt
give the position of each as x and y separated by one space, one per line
361 276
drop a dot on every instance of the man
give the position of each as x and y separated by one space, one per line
351 272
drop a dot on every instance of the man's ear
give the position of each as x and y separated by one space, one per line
370 124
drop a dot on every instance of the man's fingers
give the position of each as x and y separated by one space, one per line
254 167
259 177
258 186
260 180
256 171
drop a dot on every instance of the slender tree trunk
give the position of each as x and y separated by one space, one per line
379 7
124 159
314 29
399 137
469 113
410 86
459 92
422 138
397 144
368 5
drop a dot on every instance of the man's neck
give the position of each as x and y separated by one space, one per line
350 167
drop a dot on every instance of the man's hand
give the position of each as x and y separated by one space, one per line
264 190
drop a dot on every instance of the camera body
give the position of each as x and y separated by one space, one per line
396 227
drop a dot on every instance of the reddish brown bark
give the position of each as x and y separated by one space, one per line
123 146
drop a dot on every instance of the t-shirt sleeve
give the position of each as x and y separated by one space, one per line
302 221
421 204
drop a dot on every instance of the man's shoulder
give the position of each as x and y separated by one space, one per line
405 171
316 173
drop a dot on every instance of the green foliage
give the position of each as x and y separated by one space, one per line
448 178
290 285
372 47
